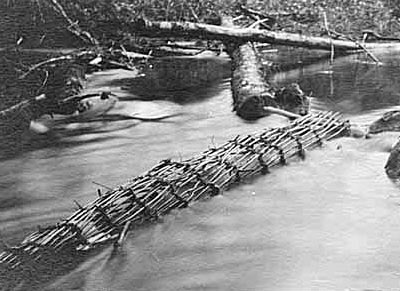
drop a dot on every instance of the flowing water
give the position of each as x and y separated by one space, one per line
330 222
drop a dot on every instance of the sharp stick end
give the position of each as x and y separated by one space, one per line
122 235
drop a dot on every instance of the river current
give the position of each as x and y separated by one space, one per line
330 222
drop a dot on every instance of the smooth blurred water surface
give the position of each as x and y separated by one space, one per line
330 222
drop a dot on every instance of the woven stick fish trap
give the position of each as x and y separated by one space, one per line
168 185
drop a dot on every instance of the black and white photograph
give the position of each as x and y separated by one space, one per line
199 145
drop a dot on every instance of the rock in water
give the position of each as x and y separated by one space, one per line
392 166
390 121
293 99
357 132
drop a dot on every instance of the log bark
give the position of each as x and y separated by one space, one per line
253 96
206 31
251 93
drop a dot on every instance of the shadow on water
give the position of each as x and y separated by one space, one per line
145 92
180 90
178 79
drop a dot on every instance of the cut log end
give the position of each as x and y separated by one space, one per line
253 107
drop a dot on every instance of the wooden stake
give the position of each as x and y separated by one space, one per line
282 112
101 185
122 235
330 37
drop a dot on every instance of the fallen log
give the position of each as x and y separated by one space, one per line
169 49
167 186
252 94
372 34
206 31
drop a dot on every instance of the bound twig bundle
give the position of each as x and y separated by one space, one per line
168 185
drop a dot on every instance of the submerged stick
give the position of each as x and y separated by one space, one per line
368 52
363 46
122 236
282 112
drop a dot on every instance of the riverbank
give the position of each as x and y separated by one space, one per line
77 23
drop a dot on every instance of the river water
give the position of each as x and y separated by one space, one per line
330 222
